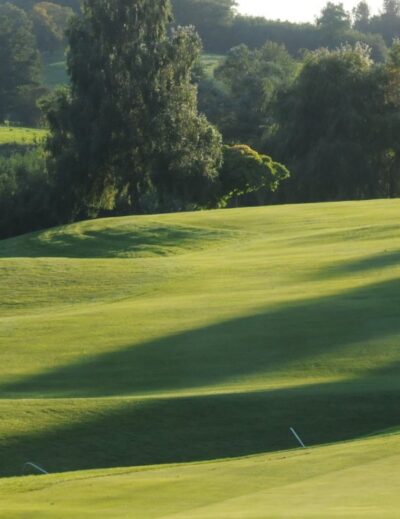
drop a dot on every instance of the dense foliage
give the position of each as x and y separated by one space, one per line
341 142
20 67
129 135
245 171
24 193
251 79
129 126
221 28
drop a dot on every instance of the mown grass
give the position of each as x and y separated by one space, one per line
193 337
19 136
357 479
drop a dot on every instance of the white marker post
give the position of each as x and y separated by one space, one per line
33 465
297 437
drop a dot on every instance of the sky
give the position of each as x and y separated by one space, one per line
294 10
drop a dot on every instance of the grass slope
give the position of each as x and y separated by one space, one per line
358 479
192 337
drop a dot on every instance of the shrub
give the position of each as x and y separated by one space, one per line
25 193
246 171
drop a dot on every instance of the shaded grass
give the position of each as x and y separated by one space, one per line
198 336
357 479
87 434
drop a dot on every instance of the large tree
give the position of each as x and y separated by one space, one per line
20 66
334 18
50 21
128 127
361 17
333 127
252 78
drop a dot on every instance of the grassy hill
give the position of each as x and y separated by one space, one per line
195 337
357 480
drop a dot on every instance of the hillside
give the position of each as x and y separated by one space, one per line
193 337
357 479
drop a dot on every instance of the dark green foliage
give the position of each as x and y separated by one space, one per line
386 24
252 79
20 67
50 22
25 193
28 5
221 29
212 19
339 142
129 127
245 171
361 16
334 19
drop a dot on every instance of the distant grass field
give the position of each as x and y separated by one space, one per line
182 338
55 71
13 135
210 62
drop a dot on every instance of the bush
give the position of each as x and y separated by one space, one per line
25 193
246 171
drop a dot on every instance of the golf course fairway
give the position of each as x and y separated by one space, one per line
154 365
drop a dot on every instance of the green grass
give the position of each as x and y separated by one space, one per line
187 338
358 479
18 136
55 71
210 62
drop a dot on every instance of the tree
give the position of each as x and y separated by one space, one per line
50 22
25 193
245 171
391 7
361 17
333 140
252 78
334 19
129 124
20 67
390 162
388 22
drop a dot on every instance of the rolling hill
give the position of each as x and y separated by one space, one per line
190 338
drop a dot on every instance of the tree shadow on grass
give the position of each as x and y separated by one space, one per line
176 430
384 260
258 345
180 429
110 242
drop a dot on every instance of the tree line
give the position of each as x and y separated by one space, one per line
126 136
143 128
331 118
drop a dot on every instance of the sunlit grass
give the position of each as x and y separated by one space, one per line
11 135
191 337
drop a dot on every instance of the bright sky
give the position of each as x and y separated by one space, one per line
295 10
